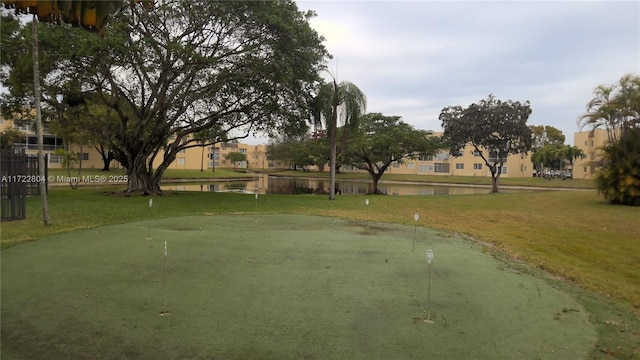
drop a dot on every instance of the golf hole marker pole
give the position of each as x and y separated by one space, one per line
416 216
149 224
164 282
429 259
366 202
255 210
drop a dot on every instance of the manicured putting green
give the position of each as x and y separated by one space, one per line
277 287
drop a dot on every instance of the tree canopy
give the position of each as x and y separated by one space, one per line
235 157
384 140
299 151
170 73
500 127
9 137
546 134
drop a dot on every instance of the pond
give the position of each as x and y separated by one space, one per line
293 185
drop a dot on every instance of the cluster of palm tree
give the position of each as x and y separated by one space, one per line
617 109
556 157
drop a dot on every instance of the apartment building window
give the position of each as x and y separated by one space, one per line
477 166
425 158
476 153
459 166
180 161
425 168
82 156
503 170
182 151
57 159
410 165
442 156
396 164
493 158
243 151
214 153
441 167
50 143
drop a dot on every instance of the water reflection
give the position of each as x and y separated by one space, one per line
283 185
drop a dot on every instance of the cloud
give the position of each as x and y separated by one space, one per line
412 58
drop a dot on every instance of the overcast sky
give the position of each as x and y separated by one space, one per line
413 58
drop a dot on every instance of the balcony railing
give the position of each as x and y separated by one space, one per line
46 147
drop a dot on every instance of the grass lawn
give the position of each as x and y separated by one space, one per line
573 235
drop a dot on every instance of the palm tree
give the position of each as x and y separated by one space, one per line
344 101
601 111
628 101
571 153
616 107
68 159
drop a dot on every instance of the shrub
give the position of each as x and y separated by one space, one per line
619 178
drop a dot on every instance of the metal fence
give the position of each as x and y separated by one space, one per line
20 177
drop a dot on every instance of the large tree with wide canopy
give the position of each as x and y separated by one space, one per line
187 66
492 125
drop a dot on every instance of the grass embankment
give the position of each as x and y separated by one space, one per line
451 179
225 173
571 234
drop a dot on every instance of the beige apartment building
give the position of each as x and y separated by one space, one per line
210 157
469 164
590 142
215 156
89 155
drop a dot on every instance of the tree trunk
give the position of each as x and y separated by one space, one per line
495 176
375 179
141 181
106 162
106 156
332 170
202 160
80 161
332 166
39 131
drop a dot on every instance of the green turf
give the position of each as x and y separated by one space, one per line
277 287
